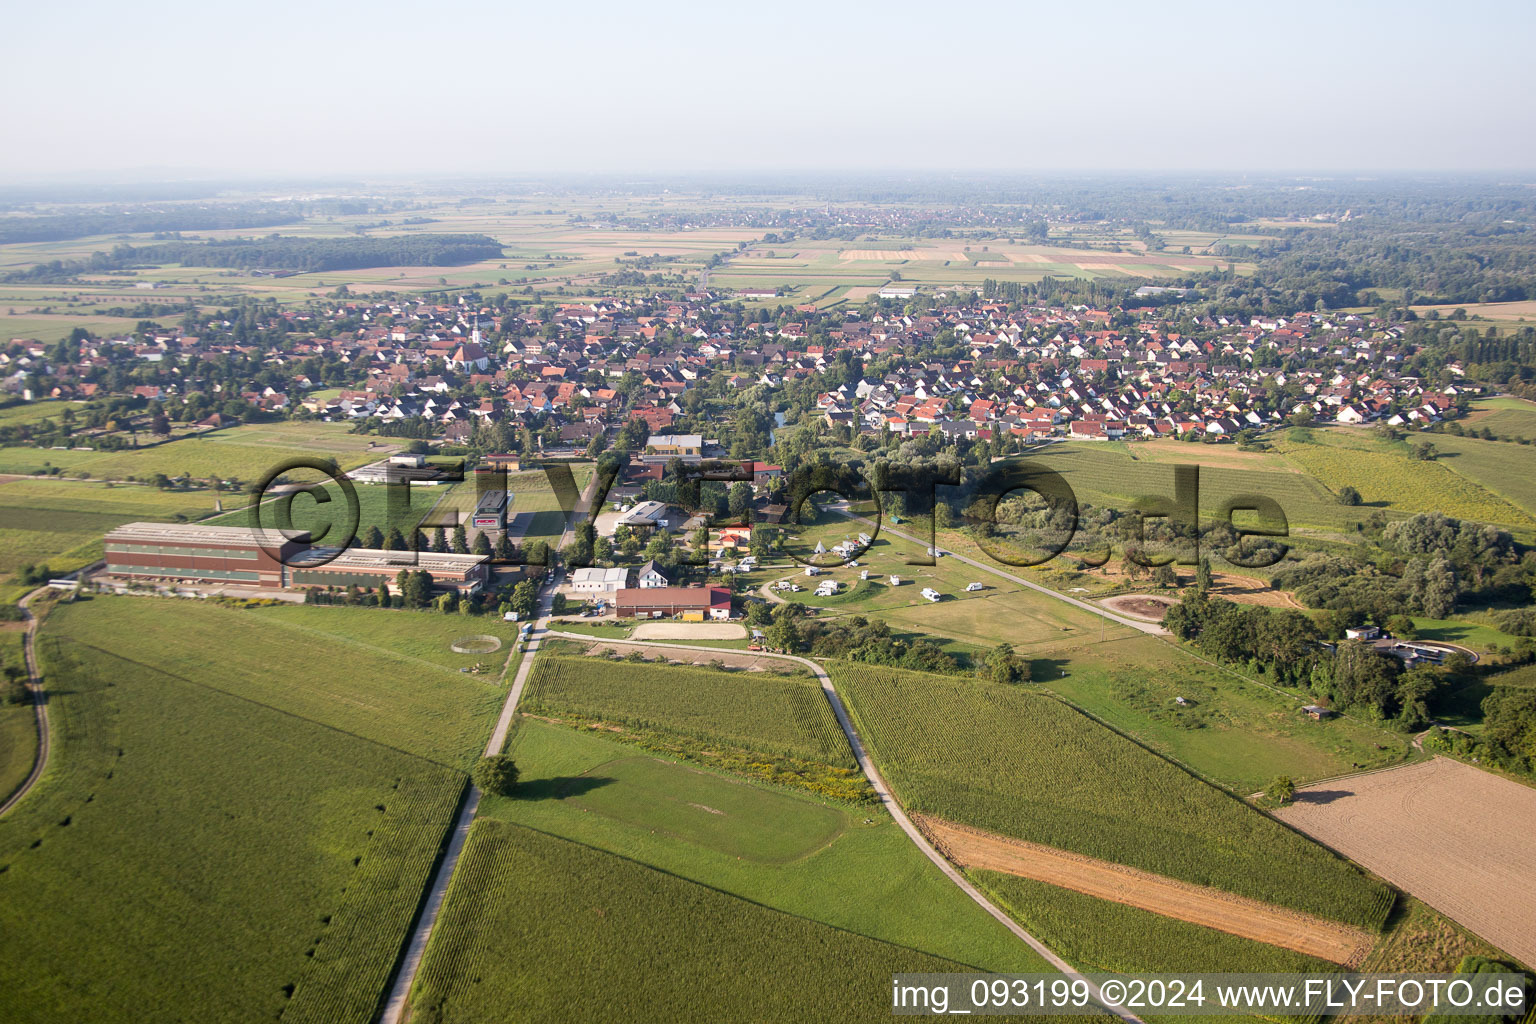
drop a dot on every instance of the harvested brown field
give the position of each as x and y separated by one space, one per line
1458 838
887 255
1212 908
1248 590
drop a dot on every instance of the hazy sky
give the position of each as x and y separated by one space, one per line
102 90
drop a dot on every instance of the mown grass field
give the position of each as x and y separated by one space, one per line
1502 468
1099 935
211 857
662 941
1023 764
765 711
21 413
1237 733
718 813
246 453
1385 476
1506 417
318 672
868 878
766 726
1114 476
412 637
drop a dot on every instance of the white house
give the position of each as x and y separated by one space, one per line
651 576
599 581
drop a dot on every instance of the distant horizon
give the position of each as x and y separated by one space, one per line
474 88
766 179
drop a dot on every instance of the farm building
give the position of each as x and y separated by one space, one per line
369 567
491 510
1317 712
687 603
599 581
680 446
181 553
647 513
510 461
413 469
242 557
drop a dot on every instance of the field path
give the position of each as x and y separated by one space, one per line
1145 627
426 919
1250 919
888 800
39 702
405 974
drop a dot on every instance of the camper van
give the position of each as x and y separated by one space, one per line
973 586
895 580
931 594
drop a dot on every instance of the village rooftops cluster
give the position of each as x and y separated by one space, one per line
1032 372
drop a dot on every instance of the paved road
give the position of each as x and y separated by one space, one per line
405 975
877 782
39 702
1145 627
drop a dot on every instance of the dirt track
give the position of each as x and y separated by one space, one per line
1150 607
1327 940
1456 837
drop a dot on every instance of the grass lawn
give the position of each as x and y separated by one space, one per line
1466 633
726 815
605 630
1506 417
661 940
1239 734
1021 763
410 636
167 798
307 665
